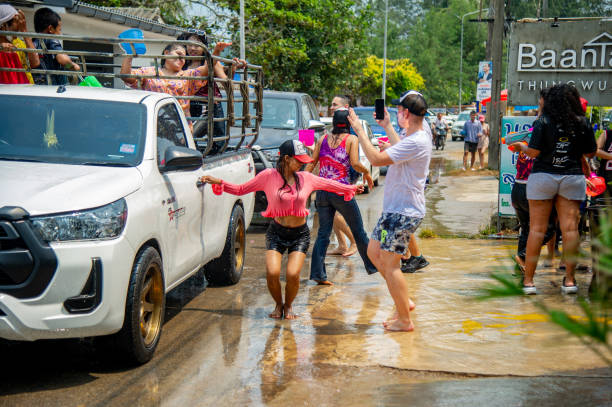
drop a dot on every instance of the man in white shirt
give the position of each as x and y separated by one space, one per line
404 197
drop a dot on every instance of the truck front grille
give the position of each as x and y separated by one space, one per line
27 264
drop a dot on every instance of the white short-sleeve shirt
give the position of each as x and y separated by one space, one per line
406 177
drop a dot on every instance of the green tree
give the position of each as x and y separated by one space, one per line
401 75
434 47
313 46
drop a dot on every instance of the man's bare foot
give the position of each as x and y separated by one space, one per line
277 313
324 282
400 326
395 316
289 314
350 251
338 251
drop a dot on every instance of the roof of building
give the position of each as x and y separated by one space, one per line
146 19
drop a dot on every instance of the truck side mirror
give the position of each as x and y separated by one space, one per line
178 158
316 125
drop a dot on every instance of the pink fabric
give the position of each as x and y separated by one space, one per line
288 202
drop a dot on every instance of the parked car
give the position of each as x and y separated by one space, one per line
367 113
102 213
284 114
374 171
458 125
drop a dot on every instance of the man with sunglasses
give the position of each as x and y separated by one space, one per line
404 197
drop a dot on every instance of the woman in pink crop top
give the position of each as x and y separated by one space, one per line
287 191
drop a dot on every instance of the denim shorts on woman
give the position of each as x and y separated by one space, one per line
541 186
393 231
280 238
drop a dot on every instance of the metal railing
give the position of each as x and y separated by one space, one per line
250 84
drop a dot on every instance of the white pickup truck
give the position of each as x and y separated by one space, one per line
101 213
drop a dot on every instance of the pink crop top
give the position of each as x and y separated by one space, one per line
287 202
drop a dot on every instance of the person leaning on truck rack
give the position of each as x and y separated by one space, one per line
287 190
198 108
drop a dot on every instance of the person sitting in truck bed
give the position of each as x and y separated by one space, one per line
13 20
170 67
198 108
47 21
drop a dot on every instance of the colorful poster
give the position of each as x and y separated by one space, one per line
507 162
485 77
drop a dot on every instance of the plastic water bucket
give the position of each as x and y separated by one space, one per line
133 33
90 81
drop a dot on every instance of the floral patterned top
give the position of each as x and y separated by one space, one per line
334 163
175 87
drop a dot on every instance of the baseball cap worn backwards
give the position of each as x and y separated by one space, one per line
413 101
7 12
340 121
295 149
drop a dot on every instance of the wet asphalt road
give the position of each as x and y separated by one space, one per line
219 347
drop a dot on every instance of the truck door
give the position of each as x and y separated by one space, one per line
181 213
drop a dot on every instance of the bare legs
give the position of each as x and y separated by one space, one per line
389 266
568 214
341 229
472 160
481 152
273 270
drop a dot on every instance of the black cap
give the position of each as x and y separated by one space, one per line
341 122
413 101
295 148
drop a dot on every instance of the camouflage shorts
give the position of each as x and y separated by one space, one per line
393 231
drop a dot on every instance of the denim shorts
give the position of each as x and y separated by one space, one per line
280 238
542 186
393 231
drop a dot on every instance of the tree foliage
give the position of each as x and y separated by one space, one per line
401 75
314 46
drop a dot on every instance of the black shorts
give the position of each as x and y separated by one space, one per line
471 147
281 238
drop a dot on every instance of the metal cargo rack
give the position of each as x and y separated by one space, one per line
250 84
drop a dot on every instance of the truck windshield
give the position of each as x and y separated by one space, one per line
72 131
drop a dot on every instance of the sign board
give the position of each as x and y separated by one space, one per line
507 162
574 52
483 83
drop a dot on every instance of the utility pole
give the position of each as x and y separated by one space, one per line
495 105
490 15
242 50
384 81
544 8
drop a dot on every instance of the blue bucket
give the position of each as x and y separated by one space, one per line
133 33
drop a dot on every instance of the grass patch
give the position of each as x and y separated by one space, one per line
487 231
427 234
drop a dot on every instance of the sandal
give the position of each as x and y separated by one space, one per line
571 289
529 290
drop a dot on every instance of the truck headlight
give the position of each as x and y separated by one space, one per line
105 222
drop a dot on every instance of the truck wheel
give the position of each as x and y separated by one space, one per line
144 308
227 269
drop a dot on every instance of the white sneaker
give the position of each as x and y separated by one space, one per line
529 290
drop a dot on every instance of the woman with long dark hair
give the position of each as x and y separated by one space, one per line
561 137
199 108
287 190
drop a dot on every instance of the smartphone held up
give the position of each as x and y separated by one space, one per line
379 109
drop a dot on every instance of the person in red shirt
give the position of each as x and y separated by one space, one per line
9 18
287 190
